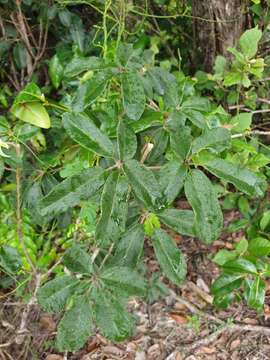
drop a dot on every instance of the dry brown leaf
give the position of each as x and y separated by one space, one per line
54 357
235 344
47 323
180 319
208 350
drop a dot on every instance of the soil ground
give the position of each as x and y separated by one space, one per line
183 325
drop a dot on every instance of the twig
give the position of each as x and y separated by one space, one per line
253 132
146 151
206 297
193 309
23 325
18 210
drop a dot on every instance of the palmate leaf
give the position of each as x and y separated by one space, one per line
79 65
181 221
145 185
126 141
202 197
171 178
90 90
130 247
82 130
215 140
71 191
54 294
76 259
112 319
123 280
114 209
170 258
133 95
241 178
76 326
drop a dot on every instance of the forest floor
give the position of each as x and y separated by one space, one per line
183 325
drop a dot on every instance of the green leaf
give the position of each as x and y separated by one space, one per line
259 246
242 246
241 122
76 326
144 185
239 266
255 292
112 318
133 95
241 178
54 295
130 247
20 55
195 108
126 141
180 140
249 42
114 209
265 220
33 113
170 258
79 65
31 93
216 140
90 90
76 259
124 280
202 196
181 221
72 190
226 283
160 139
83 131
165 84
171 178
150 224
56 71
224 255
10 259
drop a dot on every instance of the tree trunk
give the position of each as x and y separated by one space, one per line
226 21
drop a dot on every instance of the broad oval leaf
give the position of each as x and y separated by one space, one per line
53 296
133 95
83 131
33 113
226 283
181 140
255 293
170 258
259 246
76 326
249 42
126 141
181 221
71 191
241 178
240 266
144 184
202 196
56 71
